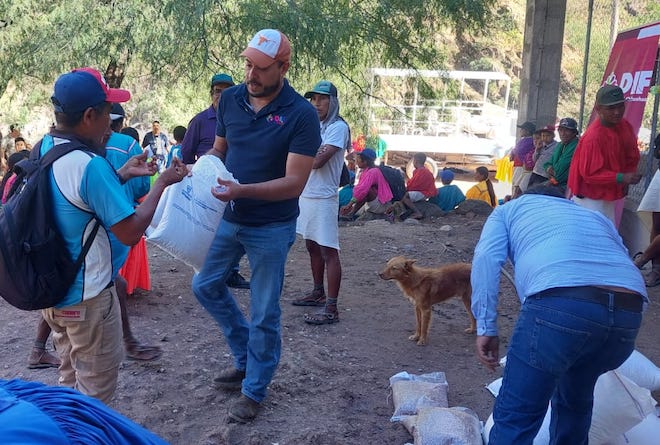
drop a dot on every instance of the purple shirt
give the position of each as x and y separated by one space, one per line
524 150
199 135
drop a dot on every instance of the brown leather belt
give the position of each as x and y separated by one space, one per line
622 300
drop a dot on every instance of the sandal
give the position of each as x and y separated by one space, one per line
636 257
322 317
314 298
653 278
41 359
137 351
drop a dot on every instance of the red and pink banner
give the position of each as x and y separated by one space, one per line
631 67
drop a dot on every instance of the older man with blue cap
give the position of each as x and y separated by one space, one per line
89 203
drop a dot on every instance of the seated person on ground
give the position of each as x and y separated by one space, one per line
420 187
483 190
449 195
372 189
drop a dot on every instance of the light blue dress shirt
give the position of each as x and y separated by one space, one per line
552 242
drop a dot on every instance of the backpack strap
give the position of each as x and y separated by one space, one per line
57 152
88 244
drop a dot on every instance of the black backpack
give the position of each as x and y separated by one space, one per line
36 268
345 177
394 178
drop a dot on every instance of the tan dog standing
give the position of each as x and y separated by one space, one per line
426 286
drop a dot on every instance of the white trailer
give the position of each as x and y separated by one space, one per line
453 116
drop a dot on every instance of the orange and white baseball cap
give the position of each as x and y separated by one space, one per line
267 47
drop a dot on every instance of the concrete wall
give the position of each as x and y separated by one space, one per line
542 52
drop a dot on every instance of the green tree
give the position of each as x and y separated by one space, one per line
180 43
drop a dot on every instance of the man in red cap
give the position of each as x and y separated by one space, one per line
87 196
606 158
267 135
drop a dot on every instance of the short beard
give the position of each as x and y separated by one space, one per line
267 91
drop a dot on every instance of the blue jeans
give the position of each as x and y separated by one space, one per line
255 344
559 348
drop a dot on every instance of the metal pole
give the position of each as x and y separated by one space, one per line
654 124
586 63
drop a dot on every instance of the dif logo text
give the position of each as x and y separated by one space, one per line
631 83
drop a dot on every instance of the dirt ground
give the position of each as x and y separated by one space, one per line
332 383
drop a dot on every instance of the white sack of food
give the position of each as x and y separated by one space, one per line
411 392
188 215
447 426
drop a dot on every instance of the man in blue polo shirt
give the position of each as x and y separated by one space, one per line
85 190
268 135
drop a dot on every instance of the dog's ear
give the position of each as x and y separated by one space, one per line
409 263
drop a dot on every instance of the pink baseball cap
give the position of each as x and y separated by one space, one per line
267 47
83 88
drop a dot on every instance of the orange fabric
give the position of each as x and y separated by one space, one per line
136 268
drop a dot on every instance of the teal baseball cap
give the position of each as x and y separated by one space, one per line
221 78
324 87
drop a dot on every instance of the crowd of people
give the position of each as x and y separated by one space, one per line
287 153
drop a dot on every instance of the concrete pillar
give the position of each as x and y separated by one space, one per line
542 49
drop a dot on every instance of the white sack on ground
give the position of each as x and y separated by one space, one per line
619 405
446 426
641 370
411 392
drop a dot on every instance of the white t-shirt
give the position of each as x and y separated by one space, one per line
324 182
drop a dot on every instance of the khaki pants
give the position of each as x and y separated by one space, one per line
88 338
378 207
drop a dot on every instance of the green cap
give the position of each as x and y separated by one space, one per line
221 78
610 95
323 87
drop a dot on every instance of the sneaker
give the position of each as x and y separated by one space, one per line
230 378
237 281
243 410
